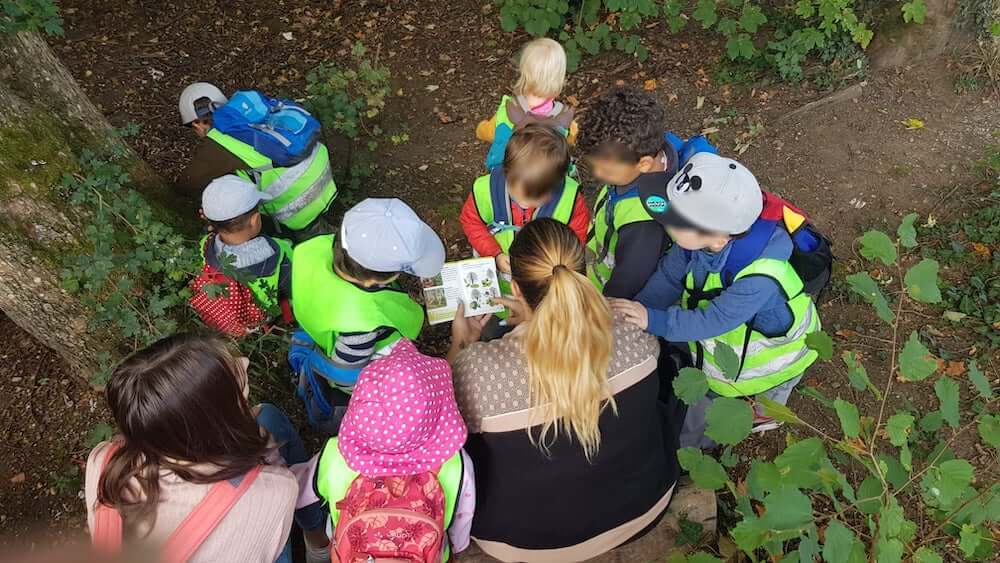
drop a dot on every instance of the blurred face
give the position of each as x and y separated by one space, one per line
691 239
201 126
516 190
618 172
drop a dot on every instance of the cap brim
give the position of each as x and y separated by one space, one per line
673 218
432 261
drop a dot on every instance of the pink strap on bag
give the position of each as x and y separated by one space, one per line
190 534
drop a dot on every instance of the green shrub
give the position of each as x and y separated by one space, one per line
30 15
350 102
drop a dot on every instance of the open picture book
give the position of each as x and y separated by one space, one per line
472 281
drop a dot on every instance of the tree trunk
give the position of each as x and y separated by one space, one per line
45 121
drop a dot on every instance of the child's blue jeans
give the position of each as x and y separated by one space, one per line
270 418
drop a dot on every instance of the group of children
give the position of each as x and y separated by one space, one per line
682 241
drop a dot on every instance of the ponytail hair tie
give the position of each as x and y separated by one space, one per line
558 267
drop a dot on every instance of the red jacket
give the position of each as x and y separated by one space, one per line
483 242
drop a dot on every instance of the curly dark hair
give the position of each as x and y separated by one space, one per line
624 123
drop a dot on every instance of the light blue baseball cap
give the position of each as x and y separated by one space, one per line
386 235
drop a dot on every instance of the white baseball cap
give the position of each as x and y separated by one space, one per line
386 235
230 196
710 193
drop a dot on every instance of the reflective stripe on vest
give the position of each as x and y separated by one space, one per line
611 213
333 479
299 194
325 305
765 361
263 288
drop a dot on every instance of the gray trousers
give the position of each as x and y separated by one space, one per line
693 430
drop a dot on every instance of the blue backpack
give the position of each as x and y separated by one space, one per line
316 377
281 130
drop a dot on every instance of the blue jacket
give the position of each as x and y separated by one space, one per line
753 297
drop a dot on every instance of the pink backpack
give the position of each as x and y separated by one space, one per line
189 535
390 519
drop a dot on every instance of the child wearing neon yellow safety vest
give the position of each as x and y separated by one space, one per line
402 429
623 140
728 280
345 296
542 75
300 194
532 183
262 263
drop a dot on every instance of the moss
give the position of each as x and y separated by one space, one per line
35 155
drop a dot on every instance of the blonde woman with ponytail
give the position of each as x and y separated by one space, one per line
571 452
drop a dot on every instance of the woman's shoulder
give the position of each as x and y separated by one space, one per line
632 346
495 356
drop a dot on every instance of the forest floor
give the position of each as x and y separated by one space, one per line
850 164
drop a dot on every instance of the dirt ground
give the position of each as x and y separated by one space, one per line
850 164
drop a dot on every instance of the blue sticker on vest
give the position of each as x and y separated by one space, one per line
656 204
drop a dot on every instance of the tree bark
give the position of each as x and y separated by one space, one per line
45 121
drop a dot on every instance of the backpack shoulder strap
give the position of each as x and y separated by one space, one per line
200 523
747 249
108 526
549 209
499 196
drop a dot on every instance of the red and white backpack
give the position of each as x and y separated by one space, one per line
391 519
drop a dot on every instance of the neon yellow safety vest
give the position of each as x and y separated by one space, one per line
264 288
300 193
765 361
326 305
611 213
334 478
483 194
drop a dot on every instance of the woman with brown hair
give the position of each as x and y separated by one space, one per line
573 453
188 432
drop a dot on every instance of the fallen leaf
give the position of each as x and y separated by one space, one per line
685 46
649 85
701 102
912 124
19 478
931 221
847 333
955 369
422 167
571 100
444 117
431 87
399 93
982 250
671 98
288 36
709 130
954 316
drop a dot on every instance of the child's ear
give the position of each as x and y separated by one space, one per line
515 113
646 163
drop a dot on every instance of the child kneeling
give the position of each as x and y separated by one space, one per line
397 482
726 281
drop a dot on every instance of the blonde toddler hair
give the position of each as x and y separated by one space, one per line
543 69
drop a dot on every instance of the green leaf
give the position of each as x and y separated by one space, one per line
931 422
752 18
906 233
727 359
705 471
945 484
914 11
858 375
705 13
915 361
740 46
968 540
821 343
995 29
989 430
778 411
876 244
888 550
946 389
922 281
926 555
870 495
787 509
763 478
690 532
841 545
691 385
863 284
799 463
728 420
898 428
979 381
850 420
702 557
